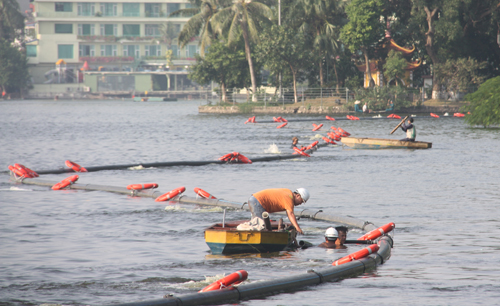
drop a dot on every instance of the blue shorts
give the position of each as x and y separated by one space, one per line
255 207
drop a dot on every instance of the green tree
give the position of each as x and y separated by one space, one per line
222 64
484 104
200 22
364 28
394 67
11 20
283 47
14 74
243 18
458 75
322 20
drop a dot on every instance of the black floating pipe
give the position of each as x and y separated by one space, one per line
173 164
286 284
343 118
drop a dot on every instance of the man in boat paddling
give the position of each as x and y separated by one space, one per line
335 238
411 131
278 199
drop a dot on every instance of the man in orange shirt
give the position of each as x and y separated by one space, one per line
278 199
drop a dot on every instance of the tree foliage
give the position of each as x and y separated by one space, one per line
394 67
13 68
282 48
11 20
484 107
458 75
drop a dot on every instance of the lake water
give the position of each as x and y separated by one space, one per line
92 248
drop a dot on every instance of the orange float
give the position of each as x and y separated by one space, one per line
329 118
242 158
283 119
202 193
384 229
301 152
282 125
232 279
434 115
251 120
19 172
458 115
328 140
276 119
317 127
396 116
171 194
142 186
357 255
28 170
343 133
66 182
76 167
334 128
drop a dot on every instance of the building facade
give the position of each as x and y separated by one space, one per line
116 35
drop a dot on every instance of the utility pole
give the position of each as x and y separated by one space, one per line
279 24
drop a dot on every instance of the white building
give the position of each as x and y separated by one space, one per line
116 35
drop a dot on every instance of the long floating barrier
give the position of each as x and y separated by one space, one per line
350 267
369 116
286 284
175 163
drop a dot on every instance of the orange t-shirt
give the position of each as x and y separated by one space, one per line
274 200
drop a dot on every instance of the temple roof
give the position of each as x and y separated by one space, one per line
374 66
394 46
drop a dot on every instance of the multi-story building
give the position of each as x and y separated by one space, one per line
115 35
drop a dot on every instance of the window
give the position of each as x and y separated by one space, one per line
177 29
175 51
152 50
131 50
64 7
109 30
131 10
109 9
64 51
86 29
152 9
63 28
86 50
131 30
108 50
191 51
152 30
172 7
86 9
30 50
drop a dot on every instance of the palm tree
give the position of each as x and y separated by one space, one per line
322 20
243 17
11 20
200 22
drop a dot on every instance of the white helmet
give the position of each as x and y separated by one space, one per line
304 194
331 233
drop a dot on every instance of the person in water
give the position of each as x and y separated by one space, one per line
411 131
335 238
278 199
295 141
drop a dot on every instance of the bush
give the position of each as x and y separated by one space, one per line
377 97
484 104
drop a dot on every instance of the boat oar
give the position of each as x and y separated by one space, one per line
402 121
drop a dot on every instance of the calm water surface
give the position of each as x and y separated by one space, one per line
91 248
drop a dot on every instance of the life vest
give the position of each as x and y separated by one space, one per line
411 133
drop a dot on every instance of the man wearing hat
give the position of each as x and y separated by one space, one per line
335 238
357 106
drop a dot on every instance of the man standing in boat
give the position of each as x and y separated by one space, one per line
335 238
411 131
278 199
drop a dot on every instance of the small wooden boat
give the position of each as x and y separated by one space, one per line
228 240
378 143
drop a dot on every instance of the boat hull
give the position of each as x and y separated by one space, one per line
229 240
379 143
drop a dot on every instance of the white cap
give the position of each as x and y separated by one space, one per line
357 102
331 233
304 194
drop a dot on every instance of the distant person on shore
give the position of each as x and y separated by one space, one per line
365 108
335 238
357 108
390 105
411 131
278 199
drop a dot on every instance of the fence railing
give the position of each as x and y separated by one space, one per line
286 96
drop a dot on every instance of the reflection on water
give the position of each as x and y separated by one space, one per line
80 247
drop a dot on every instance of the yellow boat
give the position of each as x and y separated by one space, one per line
228 240
379 143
